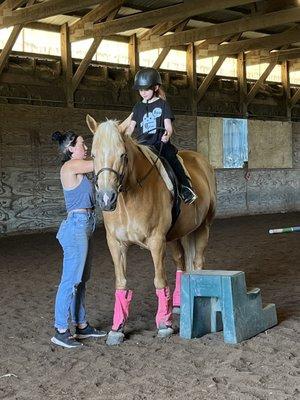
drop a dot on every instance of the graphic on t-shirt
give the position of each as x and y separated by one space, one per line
149 121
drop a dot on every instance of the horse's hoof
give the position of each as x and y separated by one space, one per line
165 332
114 338
176 310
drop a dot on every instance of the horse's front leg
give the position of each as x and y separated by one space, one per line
157 246
178 258
123 296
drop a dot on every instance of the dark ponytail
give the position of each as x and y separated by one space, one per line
65 140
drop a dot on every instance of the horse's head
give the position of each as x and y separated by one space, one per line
110 160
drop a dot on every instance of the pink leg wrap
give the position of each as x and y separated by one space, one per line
176 293
122 301
164 311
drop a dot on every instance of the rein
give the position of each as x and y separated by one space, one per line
140 181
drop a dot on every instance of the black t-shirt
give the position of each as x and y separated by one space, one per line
149 117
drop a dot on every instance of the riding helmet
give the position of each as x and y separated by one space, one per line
146 78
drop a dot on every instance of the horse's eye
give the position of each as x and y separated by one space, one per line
93 156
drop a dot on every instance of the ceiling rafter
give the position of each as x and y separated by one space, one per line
46 9
263 56
227 28
9 5
269 42
149 18
98 13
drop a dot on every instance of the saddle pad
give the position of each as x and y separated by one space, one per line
152 157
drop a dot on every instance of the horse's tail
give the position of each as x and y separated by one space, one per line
189 245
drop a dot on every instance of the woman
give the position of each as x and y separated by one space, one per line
74 236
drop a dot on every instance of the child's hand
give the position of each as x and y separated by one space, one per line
165 137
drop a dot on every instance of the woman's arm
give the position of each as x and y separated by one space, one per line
79 166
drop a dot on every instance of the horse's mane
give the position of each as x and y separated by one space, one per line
105 134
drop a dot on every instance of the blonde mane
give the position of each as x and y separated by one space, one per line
108 134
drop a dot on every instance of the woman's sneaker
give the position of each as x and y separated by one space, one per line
187 194
87 332
65 339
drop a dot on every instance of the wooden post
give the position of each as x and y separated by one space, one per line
133 55
285 79
66 62
192 76
242 81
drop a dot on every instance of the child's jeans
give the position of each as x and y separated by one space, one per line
74 236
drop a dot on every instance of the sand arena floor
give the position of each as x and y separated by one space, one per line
145 367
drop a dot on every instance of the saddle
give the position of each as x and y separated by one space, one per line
168 176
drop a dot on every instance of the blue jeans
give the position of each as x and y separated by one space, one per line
74 236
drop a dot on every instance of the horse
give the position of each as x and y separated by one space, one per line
137 206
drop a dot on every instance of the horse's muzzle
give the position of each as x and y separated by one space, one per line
107 199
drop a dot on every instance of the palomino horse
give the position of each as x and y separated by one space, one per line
140 213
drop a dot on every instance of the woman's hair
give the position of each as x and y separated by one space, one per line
65 140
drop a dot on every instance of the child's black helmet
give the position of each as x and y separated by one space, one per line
146 78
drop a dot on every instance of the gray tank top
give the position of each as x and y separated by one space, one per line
83 196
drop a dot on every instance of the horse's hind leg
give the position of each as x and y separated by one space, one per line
122 295
157 246
178 258
201 240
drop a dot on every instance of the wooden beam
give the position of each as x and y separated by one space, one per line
163 54
9 5
46 9
100 12
145 19
66 63
295 98
10 42
8 46
242 80
82 68
285 79
41 26
161 29
207 44
133 55
209 78
192 76
227 28
264 56
267 42
253 92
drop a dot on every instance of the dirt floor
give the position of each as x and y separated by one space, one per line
145 367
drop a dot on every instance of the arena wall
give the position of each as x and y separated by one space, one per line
30 192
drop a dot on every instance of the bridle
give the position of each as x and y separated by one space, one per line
120 175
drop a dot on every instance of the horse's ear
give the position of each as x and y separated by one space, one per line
91 123
125 124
